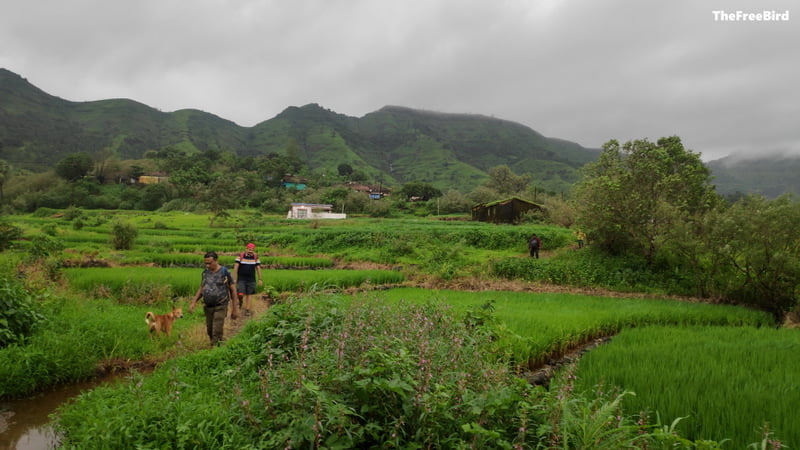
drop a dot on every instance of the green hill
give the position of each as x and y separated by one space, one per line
767 175
393 145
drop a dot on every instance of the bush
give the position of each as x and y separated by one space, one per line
18 315
123 235
8 234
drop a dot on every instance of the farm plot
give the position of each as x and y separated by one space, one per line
727 382
183 282
544 325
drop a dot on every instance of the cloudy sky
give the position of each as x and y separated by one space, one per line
582 70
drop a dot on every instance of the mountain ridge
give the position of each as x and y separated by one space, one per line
392 145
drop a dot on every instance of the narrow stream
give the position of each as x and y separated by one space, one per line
25 422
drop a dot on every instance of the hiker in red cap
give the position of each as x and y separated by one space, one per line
246 273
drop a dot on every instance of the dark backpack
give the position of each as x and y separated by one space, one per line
533 243
215 287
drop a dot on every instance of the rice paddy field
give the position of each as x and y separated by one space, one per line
726 382
726 370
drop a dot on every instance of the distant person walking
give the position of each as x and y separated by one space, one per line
217 289
581 238
246 274
534 243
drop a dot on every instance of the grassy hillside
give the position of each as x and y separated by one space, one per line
393 146
771 176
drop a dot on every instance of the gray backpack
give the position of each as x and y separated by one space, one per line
215 286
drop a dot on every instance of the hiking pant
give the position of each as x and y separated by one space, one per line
215 322
535 253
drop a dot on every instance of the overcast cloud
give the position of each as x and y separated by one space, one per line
586 71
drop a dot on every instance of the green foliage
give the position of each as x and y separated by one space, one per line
75 337
322 373
505 182
19 313
75 166
355 373
44 245
123 235
183 282
631 198
725 382
758 246
8 233
420 191
538 327
591 268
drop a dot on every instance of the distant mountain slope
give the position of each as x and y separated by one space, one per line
393 145
770 176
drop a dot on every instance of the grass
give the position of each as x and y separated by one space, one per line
727 382
76 336
183 282
544 325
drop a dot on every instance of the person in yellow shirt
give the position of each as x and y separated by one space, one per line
581 238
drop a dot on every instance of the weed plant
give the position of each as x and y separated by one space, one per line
726 382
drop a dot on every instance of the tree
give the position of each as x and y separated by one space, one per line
633 195
454 202
420 190
757 242
75 166
345 169
506 182
273 167
123 235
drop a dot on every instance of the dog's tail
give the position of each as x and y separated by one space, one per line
149 316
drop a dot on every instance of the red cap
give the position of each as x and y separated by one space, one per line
251 245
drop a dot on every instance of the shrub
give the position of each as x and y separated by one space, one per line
18 315
123 235
8 234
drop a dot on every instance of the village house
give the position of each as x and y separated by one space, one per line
313 211
375 192
509 210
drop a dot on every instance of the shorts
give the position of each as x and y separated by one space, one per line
246 287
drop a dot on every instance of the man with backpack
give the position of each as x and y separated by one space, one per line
217 290
533 245
245 268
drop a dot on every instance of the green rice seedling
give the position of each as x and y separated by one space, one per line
183 282
549 324
727 382
75 337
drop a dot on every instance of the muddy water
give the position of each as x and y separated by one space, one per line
25 422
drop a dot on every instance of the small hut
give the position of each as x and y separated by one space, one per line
503 211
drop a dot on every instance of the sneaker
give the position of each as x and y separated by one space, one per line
247 312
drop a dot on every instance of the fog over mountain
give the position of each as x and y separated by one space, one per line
721 74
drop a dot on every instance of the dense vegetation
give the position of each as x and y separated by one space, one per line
339 372
406 367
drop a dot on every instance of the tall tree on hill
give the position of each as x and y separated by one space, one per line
420 190
503 180
75 166
633 195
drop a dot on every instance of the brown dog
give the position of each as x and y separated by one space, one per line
162 322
